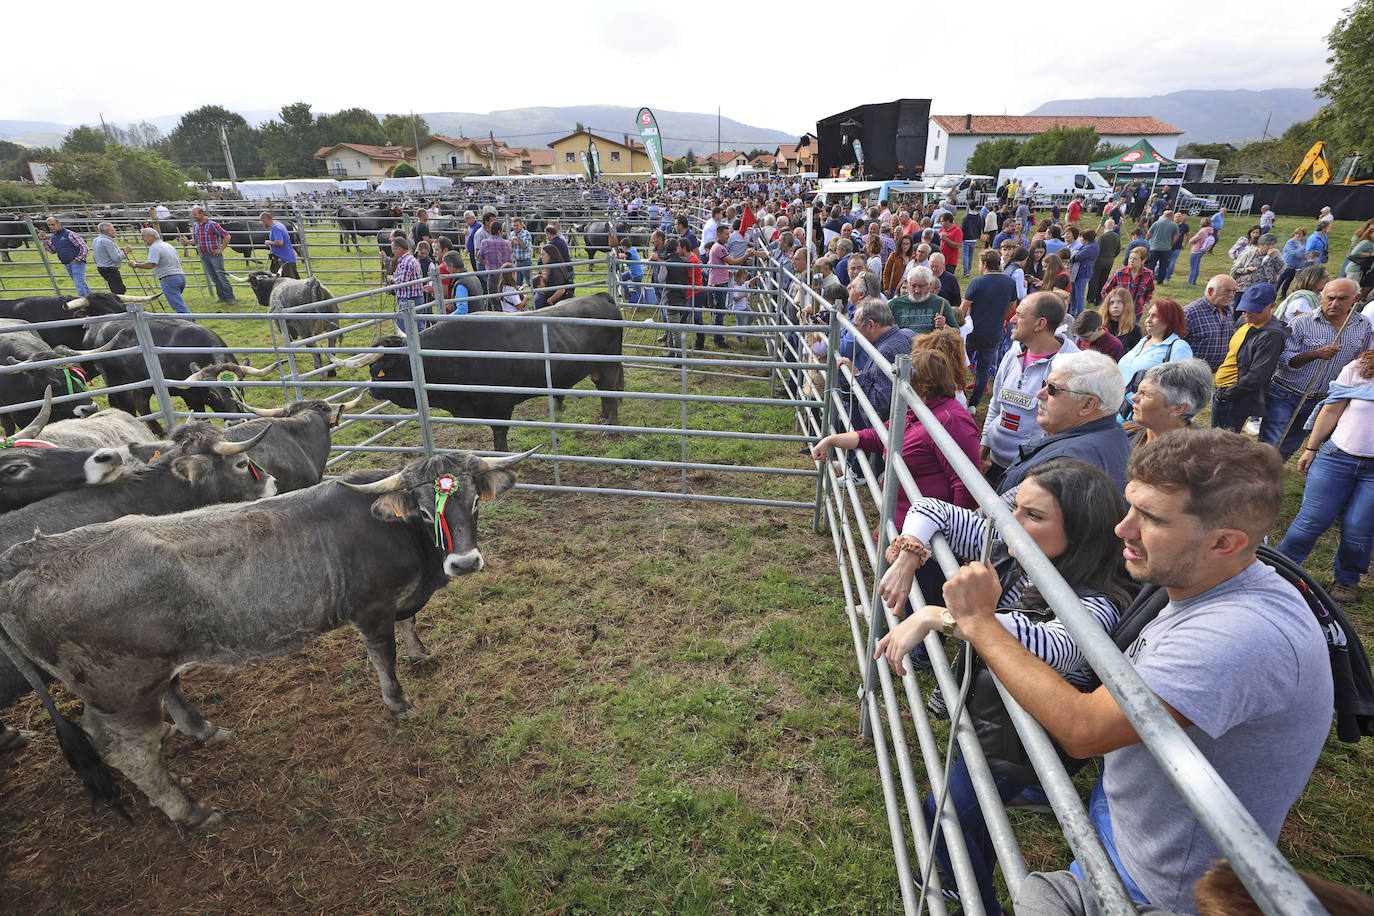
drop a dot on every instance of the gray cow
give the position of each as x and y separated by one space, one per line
277 294
229 586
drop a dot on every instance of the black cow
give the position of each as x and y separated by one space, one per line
248 236
597 237
14 234
512 333
353 224
37 309
211 360
227 587
277 294
18 348
201 469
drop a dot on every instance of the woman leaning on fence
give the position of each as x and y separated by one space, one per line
1069 508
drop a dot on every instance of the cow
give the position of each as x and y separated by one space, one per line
213 360
108 428
14 234
294 453
229 586
201 469
249 235
35 309
276 294
32 469
353 224
508 333
600 237
19 348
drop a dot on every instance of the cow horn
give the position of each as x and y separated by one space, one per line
236 279
258 373
234 448
379 487
274 413
137 298
356 362
106 347
78 303
496 464
33 429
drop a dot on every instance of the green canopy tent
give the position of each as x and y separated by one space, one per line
1140 161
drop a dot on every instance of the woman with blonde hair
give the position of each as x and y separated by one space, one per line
1118 316
950 343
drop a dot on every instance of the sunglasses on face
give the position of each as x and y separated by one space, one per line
1052 390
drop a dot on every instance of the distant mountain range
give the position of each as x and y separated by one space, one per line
1204 115
517 126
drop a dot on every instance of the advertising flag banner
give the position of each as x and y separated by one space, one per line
586 166
596 163
653 143
859 154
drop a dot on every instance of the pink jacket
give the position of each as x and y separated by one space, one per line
932 472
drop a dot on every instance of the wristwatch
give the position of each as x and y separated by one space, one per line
946 622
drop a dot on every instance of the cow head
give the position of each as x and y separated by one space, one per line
440 495
330 413
104 303
261 282
63 378
227 399
203 458
31 470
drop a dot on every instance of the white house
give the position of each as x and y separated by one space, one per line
951 139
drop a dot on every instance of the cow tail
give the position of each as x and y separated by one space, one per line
76 746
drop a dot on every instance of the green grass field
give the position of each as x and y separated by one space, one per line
639 706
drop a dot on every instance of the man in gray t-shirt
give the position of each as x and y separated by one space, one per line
1161 237
1236 657
166 268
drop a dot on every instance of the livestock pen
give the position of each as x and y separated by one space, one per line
644 704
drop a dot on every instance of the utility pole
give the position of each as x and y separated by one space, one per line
415 132
492 137
1266 126
717 142
228 160
105 127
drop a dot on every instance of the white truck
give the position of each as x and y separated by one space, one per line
963 188
1061 182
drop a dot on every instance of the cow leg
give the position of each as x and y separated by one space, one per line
188 719
381 651
12 739
611 377
5 255
133 745
498 436
415 650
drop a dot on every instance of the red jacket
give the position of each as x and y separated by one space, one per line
929 468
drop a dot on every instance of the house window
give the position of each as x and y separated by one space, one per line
615 155
569 157
937 151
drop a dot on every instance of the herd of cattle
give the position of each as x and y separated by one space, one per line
128 555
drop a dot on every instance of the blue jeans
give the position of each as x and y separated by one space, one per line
1194 265
1286 278
1079 293
77 271
172 288
1169 263
980 849
1279 406
967 250
720 300
522 271
1339 485
1101 816
1156 261
214 269
985 367
1225 417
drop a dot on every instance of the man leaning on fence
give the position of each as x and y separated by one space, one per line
70 249
211 240
874 320
1236 658
407 271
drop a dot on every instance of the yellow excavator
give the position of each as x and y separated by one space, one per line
1352 170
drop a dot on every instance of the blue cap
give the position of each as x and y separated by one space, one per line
1257 298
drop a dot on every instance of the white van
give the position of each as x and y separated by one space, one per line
960 187
1061 181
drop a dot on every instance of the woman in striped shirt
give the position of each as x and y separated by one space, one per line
1069 508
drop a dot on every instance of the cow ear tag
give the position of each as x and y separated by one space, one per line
227 377
444 486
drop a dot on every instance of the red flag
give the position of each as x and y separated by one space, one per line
747 220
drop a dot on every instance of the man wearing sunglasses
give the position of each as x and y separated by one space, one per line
1077 419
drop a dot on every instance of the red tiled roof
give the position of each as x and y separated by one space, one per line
540 156
1110 125
372 152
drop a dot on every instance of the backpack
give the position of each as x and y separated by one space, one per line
1209 243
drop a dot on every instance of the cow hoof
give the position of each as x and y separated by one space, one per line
204 816
168 729
404 712
13 739
219 734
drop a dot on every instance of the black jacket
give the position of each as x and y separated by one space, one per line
1256 360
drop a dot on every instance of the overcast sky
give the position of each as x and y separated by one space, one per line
483 57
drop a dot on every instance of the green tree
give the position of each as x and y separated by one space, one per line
991 155
691 158
1107 150
1059 146
245 145
92 175
352 125
398 130
679 166
1349 84
145 175
195 139
755 153
84 139
290 143
405 170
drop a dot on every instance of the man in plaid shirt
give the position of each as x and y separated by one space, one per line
211 240
1210 322
70 250
495 251
407 270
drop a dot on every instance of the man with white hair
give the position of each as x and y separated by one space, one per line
108 257
921 309
945 283
1077 419
166 268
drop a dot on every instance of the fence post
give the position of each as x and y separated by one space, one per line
43 253
153 364
823 481
440 305
417 375
305 246
877 623
553 416
610 277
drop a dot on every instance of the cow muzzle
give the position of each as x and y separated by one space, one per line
85 410
457 564
104 466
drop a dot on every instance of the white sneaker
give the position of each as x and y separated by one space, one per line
1252 427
